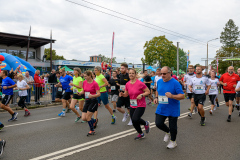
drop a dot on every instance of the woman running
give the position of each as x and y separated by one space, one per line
213 91
22 87
77 87
91 91
137 92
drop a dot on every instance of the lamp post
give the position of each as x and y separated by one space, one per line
207 51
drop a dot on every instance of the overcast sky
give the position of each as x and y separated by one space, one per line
81 32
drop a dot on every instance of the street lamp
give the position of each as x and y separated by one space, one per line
207 51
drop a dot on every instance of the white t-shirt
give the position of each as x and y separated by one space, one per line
238 85
214 89
187 80
22 84
199 85
157 78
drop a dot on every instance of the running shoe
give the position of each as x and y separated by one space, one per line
68 110
215 107
2 145
149 103
14 117
202 122
77 119
190 114
90 133
125 117
229 118
77 108
166 137
210 112
95 123
147 128
1 126
27 113
83 121
171 145
140 136
130 122
113 119
62 114
195 110
237 106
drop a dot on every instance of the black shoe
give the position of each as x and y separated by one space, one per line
202 122
90 133
229 118
237 107
2 145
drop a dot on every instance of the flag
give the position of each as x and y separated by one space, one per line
217 65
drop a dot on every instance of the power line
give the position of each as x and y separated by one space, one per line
202 43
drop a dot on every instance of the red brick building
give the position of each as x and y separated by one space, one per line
95 58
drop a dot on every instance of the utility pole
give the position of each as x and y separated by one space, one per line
28 44
51 51
177 58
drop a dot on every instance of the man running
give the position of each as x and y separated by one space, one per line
187 79
238 93
114 86
7 90
147 80
213 92
198 86
157 77
229 81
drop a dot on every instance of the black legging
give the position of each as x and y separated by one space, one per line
37 93
136 114
21 102
159 121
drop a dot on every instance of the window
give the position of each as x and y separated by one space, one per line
22 54
13 52
3 51
97 59
31 55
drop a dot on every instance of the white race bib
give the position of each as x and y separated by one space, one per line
213 88
133 102
86 94
113 88
122 87
75 91
60 89
162 100
199 87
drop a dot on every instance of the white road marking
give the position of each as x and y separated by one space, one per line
101 141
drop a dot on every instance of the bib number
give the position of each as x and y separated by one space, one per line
113 88
122 87
59 89
162 100
75 91
133 102
213 88
199 87
86 94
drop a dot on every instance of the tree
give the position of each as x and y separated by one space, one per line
54 55
230 47
107 59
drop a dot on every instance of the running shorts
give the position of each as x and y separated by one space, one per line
238 94
123 101
213 99
90 105
229 96
114 98
103 98
66 95
77 97
59 95
199 99
190 95
6 99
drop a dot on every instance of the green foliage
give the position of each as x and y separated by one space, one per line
107 59
54 55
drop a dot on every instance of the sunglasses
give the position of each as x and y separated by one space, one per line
164 73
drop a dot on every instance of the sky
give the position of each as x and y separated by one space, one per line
82 32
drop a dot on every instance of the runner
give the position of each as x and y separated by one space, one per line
65 80
22 86
114 86
198 86
148 80
124 101
213 92
102 82
152 85
238 93
229 82
77 87
168 93
157 77
187 79
137 91
91 91
7 94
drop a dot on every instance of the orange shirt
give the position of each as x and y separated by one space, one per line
230 80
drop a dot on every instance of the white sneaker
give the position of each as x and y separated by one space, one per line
172 144
166 137
215 107
125 117
130 122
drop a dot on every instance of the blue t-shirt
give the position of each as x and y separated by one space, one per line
173 107
65 83
153 79
7 82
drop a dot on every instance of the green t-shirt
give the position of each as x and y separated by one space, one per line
100 82
76 81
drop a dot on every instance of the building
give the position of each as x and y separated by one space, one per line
95 58
16 45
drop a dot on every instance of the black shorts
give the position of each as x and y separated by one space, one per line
90 105
199 99
238 94
123 101
66 95
213 99
59 95
6 99
229 96
190 95
76 96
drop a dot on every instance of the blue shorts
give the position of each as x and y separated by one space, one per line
103 98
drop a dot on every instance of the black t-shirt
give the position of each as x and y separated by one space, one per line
118 76
107 77
124 78
114 87
147 79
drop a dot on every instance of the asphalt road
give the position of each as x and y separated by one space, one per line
43 135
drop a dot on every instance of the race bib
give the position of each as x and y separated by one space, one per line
133 102
122 87
75 91
60 89
3 95
86 94
113 88
213 88
162 100
199 87
63 92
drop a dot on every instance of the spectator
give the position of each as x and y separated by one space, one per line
53 81
46 77
38 83
43 85
30 81
15 93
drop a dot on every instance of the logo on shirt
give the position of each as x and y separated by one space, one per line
201 82
233 78
125 79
